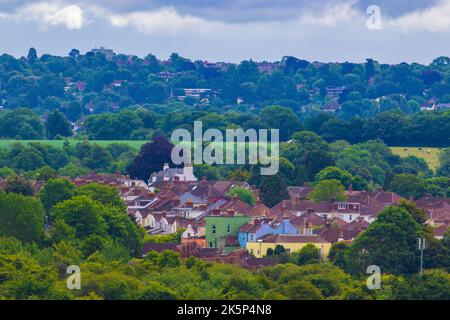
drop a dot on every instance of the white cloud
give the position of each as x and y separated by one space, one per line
332 14
434 19
164 20
48 13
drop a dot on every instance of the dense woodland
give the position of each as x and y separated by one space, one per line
131 98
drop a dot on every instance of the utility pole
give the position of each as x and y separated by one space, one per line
421 246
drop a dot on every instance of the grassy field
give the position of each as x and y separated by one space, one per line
60 143
430 155
136 144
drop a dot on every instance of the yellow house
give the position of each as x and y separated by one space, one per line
292 243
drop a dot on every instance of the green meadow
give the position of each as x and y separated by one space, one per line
430 155
59 143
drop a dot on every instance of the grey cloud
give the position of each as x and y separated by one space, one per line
239 10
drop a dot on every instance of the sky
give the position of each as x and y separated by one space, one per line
390 31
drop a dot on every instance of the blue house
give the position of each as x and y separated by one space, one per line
260 227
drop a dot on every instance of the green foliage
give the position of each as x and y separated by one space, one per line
17 184
329 173
327 190
55 191
272 190
243 194
309 254
408 186
57 124
106 195
21 217
390 242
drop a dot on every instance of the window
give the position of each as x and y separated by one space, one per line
213 229
342 206
252 238
288 250
228 228
350 217
210 244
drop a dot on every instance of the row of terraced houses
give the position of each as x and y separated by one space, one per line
219 227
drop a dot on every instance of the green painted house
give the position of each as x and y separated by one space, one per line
222 231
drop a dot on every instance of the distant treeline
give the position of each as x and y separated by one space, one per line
370 100
395 128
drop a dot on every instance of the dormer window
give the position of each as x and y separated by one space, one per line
342 206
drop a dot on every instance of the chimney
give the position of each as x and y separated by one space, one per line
189 203
166 167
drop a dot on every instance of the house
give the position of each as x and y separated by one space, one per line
157 222
194 233
222 231
108 53
299 192
358 204
173 174
437 209
260 227
291 243
240 257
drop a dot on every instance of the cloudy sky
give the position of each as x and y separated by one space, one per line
232 30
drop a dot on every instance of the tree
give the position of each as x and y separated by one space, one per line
273 190
57 124
32 56
83 214
309 254
55 191
60 231
284 119
315 161
28 160
18 184
21 217
123 231
418 214
408 186
345 178
106 195
151 158
337 254
156 291
243 194
327 190
279 250
444 163
390 242
431 285
301 290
